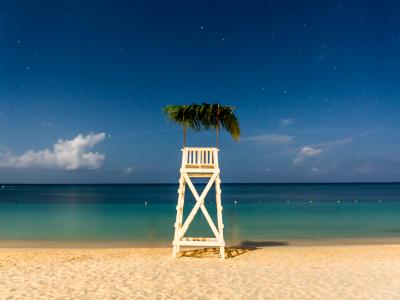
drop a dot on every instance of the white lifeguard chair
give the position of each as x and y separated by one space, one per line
199 162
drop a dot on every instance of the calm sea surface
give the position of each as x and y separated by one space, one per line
146 213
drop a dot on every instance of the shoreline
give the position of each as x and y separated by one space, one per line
53 244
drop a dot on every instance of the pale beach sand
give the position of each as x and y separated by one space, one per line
286 272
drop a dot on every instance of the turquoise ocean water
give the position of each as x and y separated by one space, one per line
146 213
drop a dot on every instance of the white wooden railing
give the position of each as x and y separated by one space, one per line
199 157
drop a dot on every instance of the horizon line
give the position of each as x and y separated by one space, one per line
232 183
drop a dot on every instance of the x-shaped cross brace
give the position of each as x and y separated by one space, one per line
199 204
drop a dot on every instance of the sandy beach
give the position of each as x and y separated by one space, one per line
275 272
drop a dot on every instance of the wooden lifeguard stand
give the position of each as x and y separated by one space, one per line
199 162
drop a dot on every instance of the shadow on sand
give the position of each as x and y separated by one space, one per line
232 252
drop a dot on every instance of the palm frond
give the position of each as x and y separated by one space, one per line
183 115
229 122
205 116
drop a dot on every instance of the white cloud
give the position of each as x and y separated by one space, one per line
309 151
286 122
271 139
317 149
127 170
319 170
65 155
334 144
306 152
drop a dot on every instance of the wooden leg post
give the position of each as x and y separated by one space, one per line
179 214
219 215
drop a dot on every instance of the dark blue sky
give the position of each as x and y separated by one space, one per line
316 85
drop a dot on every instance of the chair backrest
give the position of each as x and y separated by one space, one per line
199 157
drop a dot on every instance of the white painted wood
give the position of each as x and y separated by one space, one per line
198 162
200 244
219 213
179 211
199 204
